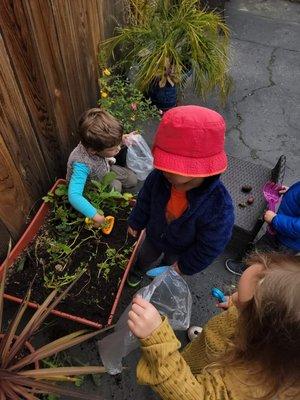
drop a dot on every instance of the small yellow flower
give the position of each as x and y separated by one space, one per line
103 94
106 72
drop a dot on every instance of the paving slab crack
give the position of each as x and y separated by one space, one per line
262 44
235 104
270 76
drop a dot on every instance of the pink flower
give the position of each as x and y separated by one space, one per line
133 106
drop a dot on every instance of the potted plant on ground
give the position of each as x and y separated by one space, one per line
20 374
166 42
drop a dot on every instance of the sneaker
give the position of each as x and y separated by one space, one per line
134 278
193 332
235 267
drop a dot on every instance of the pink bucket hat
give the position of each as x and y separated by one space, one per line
190 141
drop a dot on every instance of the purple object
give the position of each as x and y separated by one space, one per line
272 196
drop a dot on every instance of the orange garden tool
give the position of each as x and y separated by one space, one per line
108 224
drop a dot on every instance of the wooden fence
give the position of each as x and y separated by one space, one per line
48 73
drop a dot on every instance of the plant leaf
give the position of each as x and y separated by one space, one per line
9 336
31 326
61 190
24 393
45 373
108 178
42 387
27 359
57 346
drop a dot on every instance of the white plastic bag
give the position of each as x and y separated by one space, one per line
170 294
139 158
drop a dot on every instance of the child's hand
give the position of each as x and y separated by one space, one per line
176 268
111 160
283 189
230 300
269 215
132 232
98 220
143 318
127 139
225 304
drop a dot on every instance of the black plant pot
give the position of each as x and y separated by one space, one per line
163 98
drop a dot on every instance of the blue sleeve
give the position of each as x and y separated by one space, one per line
289 226
212 238
139 216
77 182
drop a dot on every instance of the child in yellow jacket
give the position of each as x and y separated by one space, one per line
250 351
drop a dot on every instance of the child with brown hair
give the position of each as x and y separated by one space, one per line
100 139
250 351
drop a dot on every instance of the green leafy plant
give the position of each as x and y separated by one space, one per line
168 41
124 101
17 380
102 195
64 237
137 12
113 259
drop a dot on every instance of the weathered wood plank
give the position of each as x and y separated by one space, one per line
71 25
43 30
17 132
15 200
29 78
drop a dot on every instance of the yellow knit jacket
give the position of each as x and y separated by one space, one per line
180 376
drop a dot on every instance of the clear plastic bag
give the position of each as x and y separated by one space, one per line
139 158
170 294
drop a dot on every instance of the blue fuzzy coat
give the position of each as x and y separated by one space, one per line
199 235
287 220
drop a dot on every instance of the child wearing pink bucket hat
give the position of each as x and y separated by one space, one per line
184 207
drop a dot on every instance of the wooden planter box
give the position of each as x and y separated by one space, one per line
29 236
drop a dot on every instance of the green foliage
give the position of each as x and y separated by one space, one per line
102 195
125 102
52 280
170 39
65 239
113 259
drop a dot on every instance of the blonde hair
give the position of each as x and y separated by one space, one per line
99 130
266 345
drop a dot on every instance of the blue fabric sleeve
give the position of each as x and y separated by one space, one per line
80 173
286 225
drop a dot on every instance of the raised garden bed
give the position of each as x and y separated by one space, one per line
58 246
